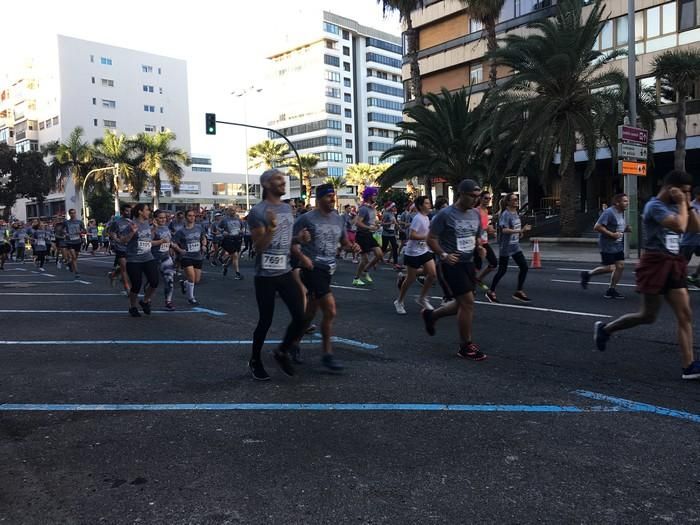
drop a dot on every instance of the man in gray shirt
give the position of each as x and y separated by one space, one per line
454 235
690 242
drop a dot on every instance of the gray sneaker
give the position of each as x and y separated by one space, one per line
331 363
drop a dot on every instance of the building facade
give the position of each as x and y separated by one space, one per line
338 94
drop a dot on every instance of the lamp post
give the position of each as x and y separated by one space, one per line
630 181
241 93
115 171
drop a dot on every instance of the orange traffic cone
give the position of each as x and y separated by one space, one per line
536 261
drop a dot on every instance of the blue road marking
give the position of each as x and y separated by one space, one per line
634 406
124 312
147 342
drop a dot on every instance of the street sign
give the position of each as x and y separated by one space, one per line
628 167
632 134
632 151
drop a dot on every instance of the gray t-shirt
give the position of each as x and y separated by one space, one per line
692 239
614 221
509 243
388 224
73 229
162 251
656 237
274 260
230 226
368 215
190 240
139 247
118 229
457 231
326 232
40 240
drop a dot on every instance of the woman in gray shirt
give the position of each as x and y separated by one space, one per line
139 259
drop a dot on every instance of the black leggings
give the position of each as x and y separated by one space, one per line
41 258
290 293
519 259
386 241
135 269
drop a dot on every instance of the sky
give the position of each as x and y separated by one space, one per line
224 42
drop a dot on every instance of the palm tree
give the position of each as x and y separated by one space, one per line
439 141
115 149
363 175
267 153
337 181
487 12
73 157
308 165
155 153
678 70
558 86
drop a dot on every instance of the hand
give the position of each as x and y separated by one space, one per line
271 220
678 196
527 227
452 258
618 235
304 236
355 248
490 230
628 229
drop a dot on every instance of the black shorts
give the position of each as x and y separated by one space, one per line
232 244
402 235
689 251
366 241
611 258
196 264
5 248
460 278
94 244
74 245
317 282
119 254
490 257
416 261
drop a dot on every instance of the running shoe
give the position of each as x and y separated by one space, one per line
358 282
42 269
481 284
295 354
59 265
367 278
225 270
134 312
617 295
520 296
284 362
400 278
471 351
238 276
423 302
692 372
257 370
182 287
427 316
400 309
193 302
609 293
77 276
169 306
311 329
585 277
146 307
695 280
331 363
600 336
491 297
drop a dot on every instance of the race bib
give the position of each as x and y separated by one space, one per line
144 247
164 247
466 244
272 261
74 237
484 236
672 244
41 244
193 247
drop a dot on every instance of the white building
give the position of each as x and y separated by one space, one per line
97 87
337 92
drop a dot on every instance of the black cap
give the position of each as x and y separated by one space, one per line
468 186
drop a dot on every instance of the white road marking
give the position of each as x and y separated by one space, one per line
538 309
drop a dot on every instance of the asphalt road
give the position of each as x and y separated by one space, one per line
109 419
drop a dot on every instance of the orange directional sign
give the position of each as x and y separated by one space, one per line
628 167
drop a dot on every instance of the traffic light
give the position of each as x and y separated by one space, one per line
211 123
302 194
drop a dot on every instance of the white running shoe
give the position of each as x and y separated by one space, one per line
424 303
399 308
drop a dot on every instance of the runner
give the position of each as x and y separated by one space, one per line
271 227
317 258
74 228
4 243
486 231
661 272
417 255
349 214
20 238
161 253
690 243
454 233
59 230
40 243
611 230
366 222
389 226
190 242
139 260
120 227
230 227
509 246
93 236
247 240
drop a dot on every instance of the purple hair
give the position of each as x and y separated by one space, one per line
369 191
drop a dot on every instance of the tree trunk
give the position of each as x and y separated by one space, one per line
155 193
412 54
307 185
491 45
681 135
569 191
428 183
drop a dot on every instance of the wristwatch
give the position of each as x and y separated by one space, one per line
443 256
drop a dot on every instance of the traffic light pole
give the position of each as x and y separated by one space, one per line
289 142
631 180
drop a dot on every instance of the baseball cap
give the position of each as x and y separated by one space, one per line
468 186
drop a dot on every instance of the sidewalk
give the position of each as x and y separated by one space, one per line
584 251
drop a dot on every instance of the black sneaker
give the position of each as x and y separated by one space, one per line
257 370
146 307
692 372
472 352
193 302
238 276
520 296
284 362
295 354
134 312
609 294
617 295
600 336
225 270
427 316
331 363
585 277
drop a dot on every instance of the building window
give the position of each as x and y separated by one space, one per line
333 108
111 104
475 25
387 90
346 51
668 18
109 123
92 58
383 117
41 125
160 90
476 74
331 60
200 169
330 140
378 74
105 61
346 66
373 160
346 82
348 128
162 128
149 109
332 156
348 159
331 28
55 121
621 31
161 109
386 46
378 146
381 59
147 88
348 113
689 15
332 92
94 122
346 34
93 80
149 128
332 76
386 104
94 101
333 124
160 71
146 69
107 82
347 97
48 123
331 44
348 143
653 25
335 172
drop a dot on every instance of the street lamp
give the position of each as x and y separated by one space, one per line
241 93
115 172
